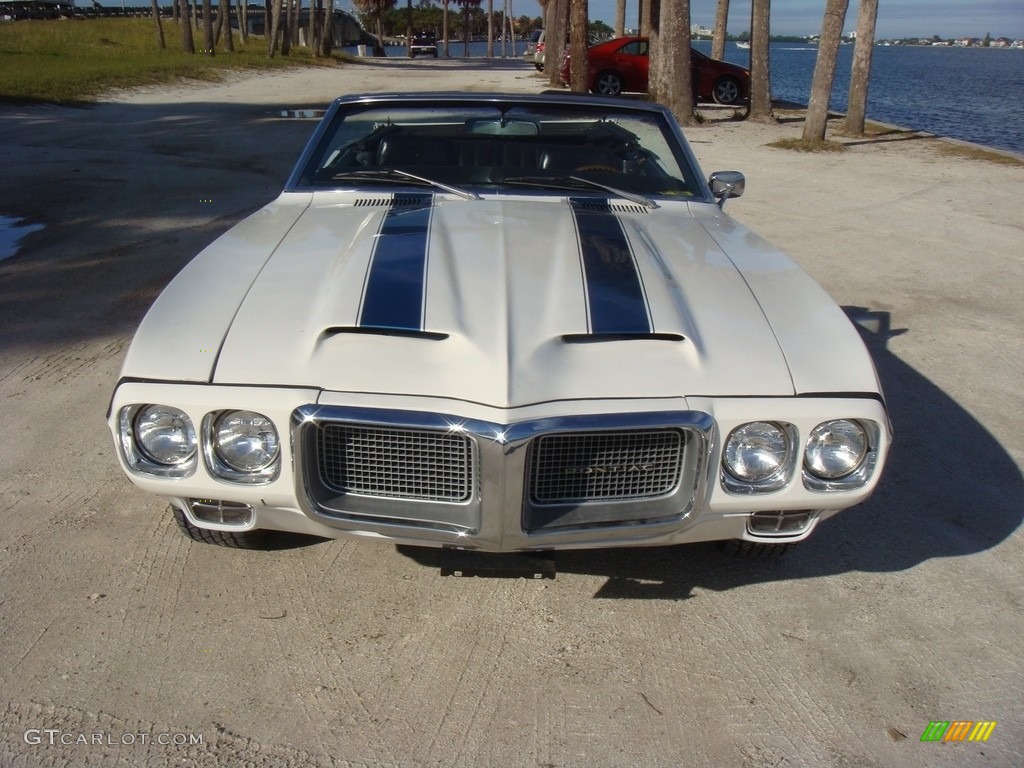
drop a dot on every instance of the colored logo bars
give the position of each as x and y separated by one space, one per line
958 730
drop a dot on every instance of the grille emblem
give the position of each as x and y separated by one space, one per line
610 469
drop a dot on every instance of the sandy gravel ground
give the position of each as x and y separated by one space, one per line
117 632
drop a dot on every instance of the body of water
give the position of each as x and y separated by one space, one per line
974 94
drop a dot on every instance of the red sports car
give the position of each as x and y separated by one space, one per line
622 64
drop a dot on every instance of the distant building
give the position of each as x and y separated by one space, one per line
36 9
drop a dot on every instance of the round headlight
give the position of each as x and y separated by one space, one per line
756 452
165 435
245 441
835 449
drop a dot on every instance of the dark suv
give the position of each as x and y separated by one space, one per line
423 44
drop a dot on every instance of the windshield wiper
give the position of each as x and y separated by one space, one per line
396 176
562 182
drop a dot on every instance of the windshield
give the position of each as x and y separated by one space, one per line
500 148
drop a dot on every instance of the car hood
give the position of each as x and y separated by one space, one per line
505 301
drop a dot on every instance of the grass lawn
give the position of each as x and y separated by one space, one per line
72 60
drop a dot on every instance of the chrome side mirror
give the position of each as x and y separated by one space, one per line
726 184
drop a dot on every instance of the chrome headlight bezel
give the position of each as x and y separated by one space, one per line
733 477
220 439
860 472
144 459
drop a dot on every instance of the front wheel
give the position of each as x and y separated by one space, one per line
726 90
608 84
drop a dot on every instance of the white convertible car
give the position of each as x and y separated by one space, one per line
505 324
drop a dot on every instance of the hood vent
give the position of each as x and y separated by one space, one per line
607 205
398 201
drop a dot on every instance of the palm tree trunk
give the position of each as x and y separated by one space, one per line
554 40
328 34
315 27
187 43
620 18
578 45
721 29
285 33
209 45
760 69
490 29
445 28
860 72
243 20
224 18
378 47
465 30
671 77
273 27
159 26
825 70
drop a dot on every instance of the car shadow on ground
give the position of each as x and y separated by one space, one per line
949 490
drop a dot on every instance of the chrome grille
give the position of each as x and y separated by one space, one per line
424 465
605 466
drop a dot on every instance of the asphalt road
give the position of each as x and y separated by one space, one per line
123 644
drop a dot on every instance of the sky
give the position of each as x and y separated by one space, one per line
896 18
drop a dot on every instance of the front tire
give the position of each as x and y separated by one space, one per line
608 83
240 540
726 90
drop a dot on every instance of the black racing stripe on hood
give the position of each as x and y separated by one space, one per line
393 294
616 302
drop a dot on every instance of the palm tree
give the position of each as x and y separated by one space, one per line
490 29
243 20
209 46
671 80
187 44
760 71
554 39
620 18
284 27
577 45
376 10
825 69
159 27
465 22
224 25
444 26
328 32
273 27
860 72
721 29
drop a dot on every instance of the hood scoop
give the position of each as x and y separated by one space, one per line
596 338
412 333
